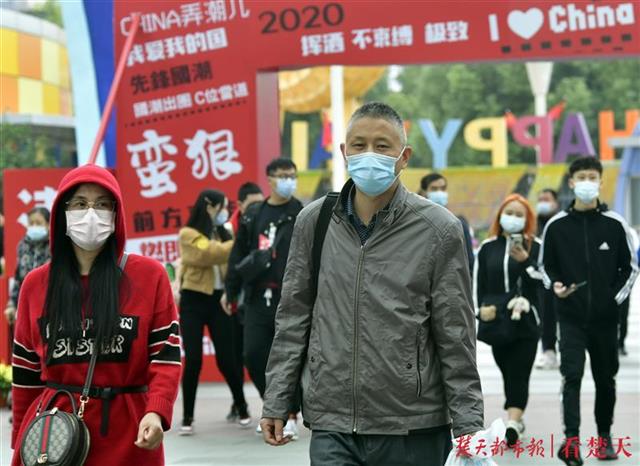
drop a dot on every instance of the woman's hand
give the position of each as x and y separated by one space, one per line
519 253
10 314
150 432
226 305
488 313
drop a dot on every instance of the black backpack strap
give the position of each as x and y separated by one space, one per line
322 225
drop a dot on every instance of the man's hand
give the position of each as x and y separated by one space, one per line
150 433
519 253
272 431
488 313
226 306
563 291
10 314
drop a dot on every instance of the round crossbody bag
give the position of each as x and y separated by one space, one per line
56 437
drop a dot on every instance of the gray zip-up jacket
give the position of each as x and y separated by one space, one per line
389 346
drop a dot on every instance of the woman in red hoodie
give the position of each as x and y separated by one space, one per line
88 293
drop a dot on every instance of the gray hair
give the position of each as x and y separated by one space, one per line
379 110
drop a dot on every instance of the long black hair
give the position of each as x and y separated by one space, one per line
199 219
63 315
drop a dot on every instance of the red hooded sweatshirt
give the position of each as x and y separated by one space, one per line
146 350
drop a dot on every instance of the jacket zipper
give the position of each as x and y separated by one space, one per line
354 378
418 365
588 257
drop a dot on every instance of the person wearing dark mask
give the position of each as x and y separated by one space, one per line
546 208
33 251
385 349
434 187
588 261
265 228
205 245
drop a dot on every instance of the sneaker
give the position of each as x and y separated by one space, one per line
512 434
291 429
233 414
244 418
186 428
259 429
606 451
547 360
573 458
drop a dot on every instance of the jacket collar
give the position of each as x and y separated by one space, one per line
600 208
394 209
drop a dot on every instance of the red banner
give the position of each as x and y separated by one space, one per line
195 110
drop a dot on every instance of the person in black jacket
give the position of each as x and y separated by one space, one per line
587 260
546 207
265 225
506 272
434 187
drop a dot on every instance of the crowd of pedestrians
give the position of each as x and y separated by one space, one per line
360 311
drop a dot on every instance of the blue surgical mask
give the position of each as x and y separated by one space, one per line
587 191
285 187
372 173
37 232
439 197
544 208
221 218
511 223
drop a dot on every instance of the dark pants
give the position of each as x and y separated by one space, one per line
602 343
259 331
515 362
199 310
335 449
623 322
549 321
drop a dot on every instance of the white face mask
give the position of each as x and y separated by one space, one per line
511 223
586 191
89 229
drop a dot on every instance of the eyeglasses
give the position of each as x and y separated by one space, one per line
83 204
284 177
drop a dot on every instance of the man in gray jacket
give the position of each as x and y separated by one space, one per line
386 352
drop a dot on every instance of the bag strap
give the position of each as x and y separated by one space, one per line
322 225
95 349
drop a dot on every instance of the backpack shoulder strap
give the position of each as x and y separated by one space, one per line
123 261
322 225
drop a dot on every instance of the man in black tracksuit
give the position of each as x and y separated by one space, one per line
587 260
263 225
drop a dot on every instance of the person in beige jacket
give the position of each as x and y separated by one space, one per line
205 245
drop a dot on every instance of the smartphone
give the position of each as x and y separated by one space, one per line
517 239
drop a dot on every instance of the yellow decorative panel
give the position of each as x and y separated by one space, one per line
30 96
9 52
64 69
8 94
65 103
50 62
51 101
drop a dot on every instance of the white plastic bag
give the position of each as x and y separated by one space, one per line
495 431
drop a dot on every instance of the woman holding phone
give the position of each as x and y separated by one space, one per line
506 279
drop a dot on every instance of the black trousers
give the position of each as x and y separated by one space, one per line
335 449
259 331
549 320
199 310
623 322
602 343
515 362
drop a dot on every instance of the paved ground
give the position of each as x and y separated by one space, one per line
218 443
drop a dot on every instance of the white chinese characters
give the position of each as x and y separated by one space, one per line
152 170
451 31
213 153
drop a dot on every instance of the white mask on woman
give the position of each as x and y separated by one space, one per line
89 229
